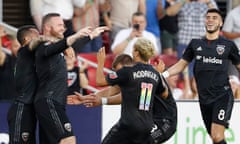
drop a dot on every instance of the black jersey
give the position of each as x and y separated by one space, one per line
25 75
7 85
138 86
211 66
73 80
165 108
52 71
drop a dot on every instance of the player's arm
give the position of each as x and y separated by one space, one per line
86 32
83 35
175 8
110 95
109 91
79 99
111 100
165 93
100 77
83 81
231 35
176 68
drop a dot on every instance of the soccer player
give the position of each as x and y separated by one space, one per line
212 55
50 100
164 109
139 84
21 114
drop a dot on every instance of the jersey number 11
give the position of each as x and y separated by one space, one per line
146 94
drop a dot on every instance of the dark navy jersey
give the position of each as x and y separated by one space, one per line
211 66
7 84
52 71
25 75
165 108
138 86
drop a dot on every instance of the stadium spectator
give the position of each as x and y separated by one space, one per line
169 26
231 30
76 72
121 12
88 15
154 10
125 38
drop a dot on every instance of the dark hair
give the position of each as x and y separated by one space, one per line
48 16
138 13
214 10
23 31
123 59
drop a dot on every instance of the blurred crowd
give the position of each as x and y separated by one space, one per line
169 24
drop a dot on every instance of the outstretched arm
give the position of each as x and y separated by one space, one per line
176 68
110 95
86 32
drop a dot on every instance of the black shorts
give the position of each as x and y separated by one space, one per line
218 112
53 121
163 130
119 134
21 123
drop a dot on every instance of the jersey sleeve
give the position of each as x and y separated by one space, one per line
48 49
161 88
119 77
188 54
234 54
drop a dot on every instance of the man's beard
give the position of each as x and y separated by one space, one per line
214 30
56 34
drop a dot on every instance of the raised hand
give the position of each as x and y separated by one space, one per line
159 66
84 32
97 31
101 56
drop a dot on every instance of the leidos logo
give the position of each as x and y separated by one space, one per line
213 60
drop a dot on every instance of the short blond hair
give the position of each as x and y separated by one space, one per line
145 48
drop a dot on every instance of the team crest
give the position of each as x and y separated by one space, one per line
220 49
72 77
25 136
113 75
68 127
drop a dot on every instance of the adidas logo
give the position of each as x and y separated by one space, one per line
199 48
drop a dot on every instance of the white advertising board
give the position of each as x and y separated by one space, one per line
190 128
